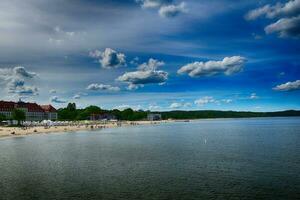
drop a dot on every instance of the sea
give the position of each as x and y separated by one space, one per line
251 158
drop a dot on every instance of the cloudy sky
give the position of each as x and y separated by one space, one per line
152 54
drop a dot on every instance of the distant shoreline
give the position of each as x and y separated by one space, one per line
6 132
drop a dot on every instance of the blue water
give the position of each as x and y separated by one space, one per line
206 159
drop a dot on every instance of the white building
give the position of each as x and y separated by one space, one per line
154 117
33 111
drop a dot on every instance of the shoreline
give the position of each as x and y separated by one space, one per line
9 132
6 132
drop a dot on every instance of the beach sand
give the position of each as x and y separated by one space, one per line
17 131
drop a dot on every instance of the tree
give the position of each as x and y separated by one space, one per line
84 114
2 117
71 106
18 115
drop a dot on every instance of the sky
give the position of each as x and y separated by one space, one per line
152 54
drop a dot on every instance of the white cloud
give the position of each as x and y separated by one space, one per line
143 77
56 99
152 64
147 74
228 66
177 105
17 86
14 81
290 8
133 87
153 3
172 10
285 27
109 58
22 72
205 100
102 87
254 14
166 8
253 96
289 86
288 24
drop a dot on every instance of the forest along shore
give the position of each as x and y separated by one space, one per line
23 131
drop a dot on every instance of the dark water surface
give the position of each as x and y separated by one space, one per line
208 159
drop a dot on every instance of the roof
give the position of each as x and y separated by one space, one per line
48 108
31 107
7 105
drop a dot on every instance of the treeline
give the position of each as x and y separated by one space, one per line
206 114
72 113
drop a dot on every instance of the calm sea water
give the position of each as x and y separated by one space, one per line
207 159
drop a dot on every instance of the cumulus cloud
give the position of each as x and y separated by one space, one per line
14 81
22 72
290 8
288 24
109 58
254 14
205 100
152 64
144 77
17 86
285 27
166 8
228 66
147 73
56 99
172 10
289 86
102 87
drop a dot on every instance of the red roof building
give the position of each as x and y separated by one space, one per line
33 111
48 108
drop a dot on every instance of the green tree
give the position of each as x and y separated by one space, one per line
86 113
18 115
71 106
2 117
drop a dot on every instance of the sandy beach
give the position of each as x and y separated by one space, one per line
23 131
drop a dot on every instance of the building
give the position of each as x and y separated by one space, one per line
154 117
50 112
33 111
104 116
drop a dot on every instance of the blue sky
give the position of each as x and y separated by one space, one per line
152 54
